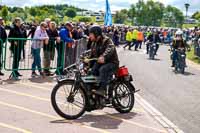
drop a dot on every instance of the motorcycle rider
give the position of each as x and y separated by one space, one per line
156 40
153 38
178 43
107 64
149 39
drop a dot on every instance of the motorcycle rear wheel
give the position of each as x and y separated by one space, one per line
121 92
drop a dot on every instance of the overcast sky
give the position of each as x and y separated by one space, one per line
100 4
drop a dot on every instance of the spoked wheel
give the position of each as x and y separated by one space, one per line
68 102
123 97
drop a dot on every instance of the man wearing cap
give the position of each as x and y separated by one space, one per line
66 37
40 38
48 21
3 37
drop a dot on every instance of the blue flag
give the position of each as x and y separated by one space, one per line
108 15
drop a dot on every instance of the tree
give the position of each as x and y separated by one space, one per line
196 15
141 13
70 13
132 13
33 12
13 9
173 16
154 13
120 16
149 13
4 13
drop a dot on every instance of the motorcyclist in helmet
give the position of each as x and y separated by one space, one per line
107 64
178 43
153 38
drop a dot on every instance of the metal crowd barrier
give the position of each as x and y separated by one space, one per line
1 54
18 55
72 54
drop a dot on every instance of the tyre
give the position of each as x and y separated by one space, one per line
67 103
182 68
176 66
123 97
151 53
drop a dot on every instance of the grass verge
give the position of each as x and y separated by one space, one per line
192 57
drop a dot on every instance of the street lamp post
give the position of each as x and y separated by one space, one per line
186 7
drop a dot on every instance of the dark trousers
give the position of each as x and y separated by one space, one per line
135 43
140 44
147 46
60 59
16 58
104 72
68 56
1 52
23 50
128 45
116 41
157 47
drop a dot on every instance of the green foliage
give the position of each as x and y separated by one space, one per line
189 25
71 13
121 16
132 13
39 13
196 15
150 13
173 16
14 9
4 12
192 57
85 19
147 13
33 12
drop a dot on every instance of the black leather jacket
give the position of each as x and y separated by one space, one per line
16 32
105 47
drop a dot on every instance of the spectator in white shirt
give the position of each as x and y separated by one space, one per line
40 38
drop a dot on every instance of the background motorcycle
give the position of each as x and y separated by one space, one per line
152 50
180 62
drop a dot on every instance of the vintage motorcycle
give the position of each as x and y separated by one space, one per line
73 95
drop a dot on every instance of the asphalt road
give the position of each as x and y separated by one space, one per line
177 96
25 108
25 104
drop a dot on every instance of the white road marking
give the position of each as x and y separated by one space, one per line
164 121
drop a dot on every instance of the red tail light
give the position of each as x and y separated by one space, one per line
122 71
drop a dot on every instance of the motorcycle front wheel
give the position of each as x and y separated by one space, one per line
68 102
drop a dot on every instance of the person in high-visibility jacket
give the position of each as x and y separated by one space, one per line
129 38
140 38
134 39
